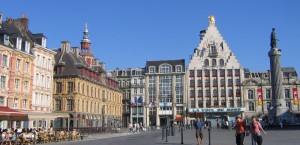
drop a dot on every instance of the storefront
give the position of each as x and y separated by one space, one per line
213 114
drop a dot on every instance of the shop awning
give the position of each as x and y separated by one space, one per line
179 118
46 115
7 113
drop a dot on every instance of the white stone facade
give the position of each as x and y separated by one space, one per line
214 74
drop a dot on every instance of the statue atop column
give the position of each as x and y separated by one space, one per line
273 38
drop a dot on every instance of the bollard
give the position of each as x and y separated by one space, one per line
166 133
209 136
162 135
34 140
181 134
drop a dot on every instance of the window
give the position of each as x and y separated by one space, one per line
237 72
287 93
214 62
1 101
70 87
58 87
58 105
17 81
37 79
27 67
49 63
42 82
4 60
250 94
229 72
178 68
230 82
221 62
18 64
135 81
25 85
37 60
69 105
222 72
3 82
44 61
19 43
24 103
206 62
251 106
237 81
15 103
165 68
269 105
268 93
27 46
199 73
239 103
151 69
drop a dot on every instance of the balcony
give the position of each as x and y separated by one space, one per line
137 85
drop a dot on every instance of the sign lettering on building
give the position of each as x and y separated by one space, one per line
206 110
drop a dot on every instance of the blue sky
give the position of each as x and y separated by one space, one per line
126 33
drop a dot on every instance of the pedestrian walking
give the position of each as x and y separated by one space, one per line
255 131
198 127
240 127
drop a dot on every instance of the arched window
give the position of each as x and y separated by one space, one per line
206 62
251 106
221 62
165 68
214 62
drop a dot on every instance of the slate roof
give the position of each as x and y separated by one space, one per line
9 28
73 64
173 63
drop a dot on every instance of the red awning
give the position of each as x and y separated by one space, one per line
7 113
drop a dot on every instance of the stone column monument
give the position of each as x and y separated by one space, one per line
279 110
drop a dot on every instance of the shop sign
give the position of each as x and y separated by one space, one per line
205 110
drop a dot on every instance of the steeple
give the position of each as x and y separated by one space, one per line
86 34
85 42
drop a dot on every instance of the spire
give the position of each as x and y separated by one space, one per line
86 34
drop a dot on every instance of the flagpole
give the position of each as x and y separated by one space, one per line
137 111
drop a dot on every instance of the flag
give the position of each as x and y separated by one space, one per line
153 104
134 103
140 100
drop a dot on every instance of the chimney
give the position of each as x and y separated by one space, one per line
1 18
96 61
22 23
102 64
202 33
65 46
75 51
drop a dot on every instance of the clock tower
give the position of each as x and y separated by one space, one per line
86 47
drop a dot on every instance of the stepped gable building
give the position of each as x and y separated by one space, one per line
132 84
164 88
214 78
18 47
83 89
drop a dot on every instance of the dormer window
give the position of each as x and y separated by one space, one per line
19 43
165 68
27 46
44 42
6 40
178 68
151 69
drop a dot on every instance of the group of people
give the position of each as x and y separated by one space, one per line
242 129
254 128
136 127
